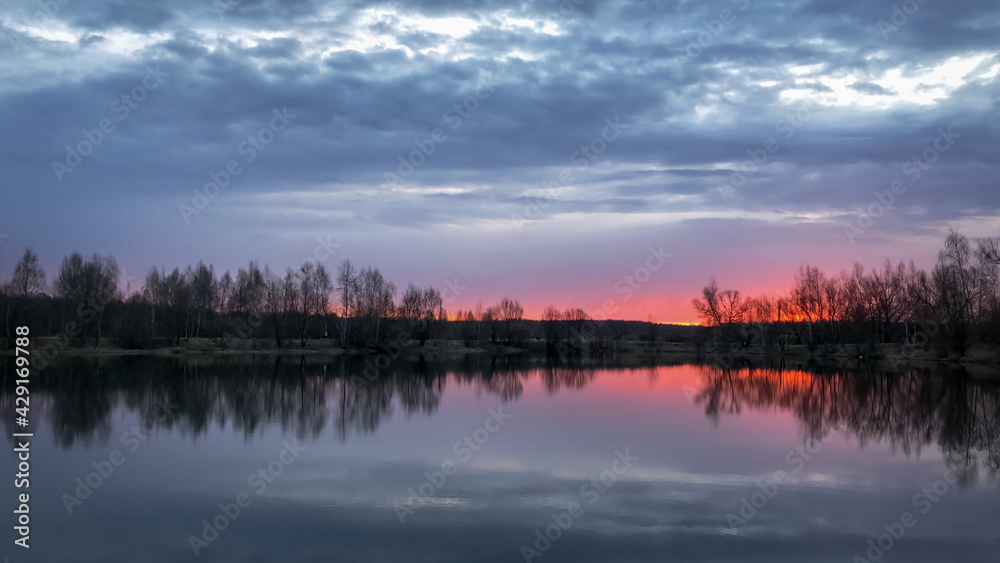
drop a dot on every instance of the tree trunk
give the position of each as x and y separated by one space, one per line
100 318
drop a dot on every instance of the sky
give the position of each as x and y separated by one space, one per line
608 155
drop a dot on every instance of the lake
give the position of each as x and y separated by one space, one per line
264 458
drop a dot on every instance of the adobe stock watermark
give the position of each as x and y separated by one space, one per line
590 491
567 8
712 30
632 282
323 251
691 394
245 327
899 17
122 108
582 158
896 530
786 126
131 439
257 483
15 42
750 506
250 148
453 117
463 451
48 9
913 169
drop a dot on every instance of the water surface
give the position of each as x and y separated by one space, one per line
476 460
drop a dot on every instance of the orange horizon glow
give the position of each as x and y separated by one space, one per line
657 311
672 307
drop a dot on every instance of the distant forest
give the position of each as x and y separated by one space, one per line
952 307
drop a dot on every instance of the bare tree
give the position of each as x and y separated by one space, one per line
989 249
835 298
989 300
784 313
279 300
480 316
224 293
27 282
411 304
29 278
708 306
152 294
347 281
375 300
170 296
510 312
809 297
421 307
886 293
90 285
551 318
733 307
491 318
577 318
248 294
203 289
955 289
314 295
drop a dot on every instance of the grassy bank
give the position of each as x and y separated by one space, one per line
890 354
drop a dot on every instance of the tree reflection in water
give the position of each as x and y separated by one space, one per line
908 409
301 394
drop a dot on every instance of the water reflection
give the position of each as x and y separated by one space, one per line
908 410
246 392
705 439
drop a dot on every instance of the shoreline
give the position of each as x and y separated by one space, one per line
894 354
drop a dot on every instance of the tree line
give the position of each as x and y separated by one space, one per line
262 308
950 308
86 302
